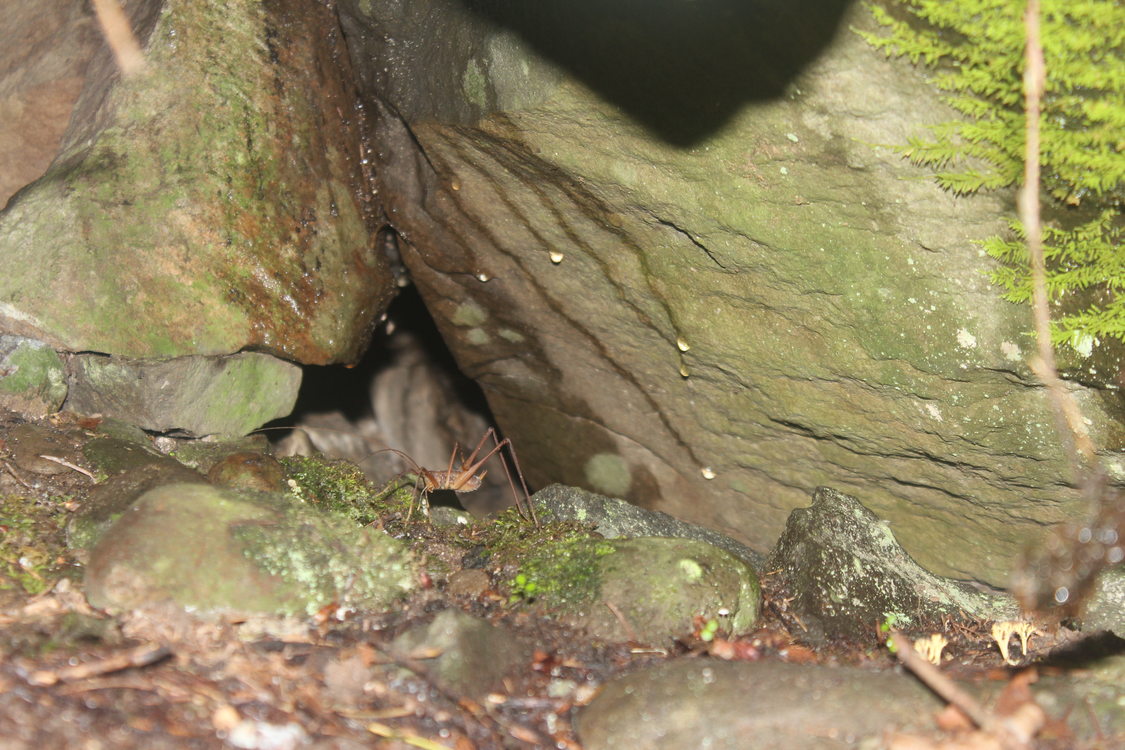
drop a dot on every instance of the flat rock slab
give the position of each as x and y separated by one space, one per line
229 395
31 444
693 703
613 518
213 550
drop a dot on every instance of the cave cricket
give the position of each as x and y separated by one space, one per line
463 473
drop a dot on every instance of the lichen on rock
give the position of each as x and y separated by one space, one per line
213 550
846 572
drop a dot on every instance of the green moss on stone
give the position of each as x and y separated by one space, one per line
564 571
34 366
327 561
474 84
32 548
341 488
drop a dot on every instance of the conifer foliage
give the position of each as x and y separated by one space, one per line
975 50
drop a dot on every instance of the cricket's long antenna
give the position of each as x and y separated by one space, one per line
308 430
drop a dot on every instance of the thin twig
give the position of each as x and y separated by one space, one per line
936 680
141 656
1068 417
69 465
1067 563
16 476
629 632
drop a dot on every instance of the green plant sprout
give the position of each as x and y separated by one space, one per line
891 620
709 630
523 589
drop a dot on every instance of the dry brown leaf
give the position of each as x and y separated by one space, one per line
953 719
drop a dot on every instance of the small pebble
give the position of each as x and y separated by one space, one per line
471 583
249 471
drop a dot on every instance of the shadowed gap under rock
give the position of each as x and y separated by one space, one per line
406 393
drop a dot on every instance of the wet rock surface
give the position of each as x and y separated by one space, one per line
39 448
214 202
248 470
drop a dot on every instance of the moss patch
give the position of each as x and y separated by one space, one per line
562 572
32 547
341 488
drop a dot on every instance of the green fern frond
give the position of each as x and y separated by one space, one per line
975 48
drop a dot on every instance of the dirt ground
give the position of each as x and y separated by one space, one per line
75 677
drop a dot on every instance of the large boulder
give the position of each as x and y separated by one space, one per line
715 327
217 201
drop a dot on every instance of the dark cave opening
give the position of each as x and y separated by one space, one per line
407 394
345 388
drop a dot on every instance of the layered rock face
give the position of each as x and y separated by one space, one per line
714 328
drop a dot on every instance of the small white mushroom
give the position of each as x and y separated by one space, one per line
931 648
1024 630
1002 633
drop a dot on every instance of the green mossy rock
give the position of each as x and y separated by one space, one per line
32 379
658 585
212 550
221 395
845 572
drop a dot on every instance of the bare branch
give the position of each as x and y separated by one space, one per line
1068 418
